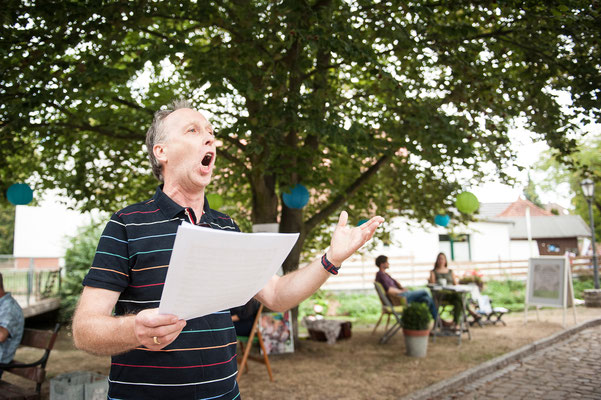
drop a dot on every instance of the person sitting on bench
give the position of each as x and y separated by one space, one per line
11 325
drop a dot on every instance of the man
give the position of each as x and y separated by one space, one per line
394 288
160 356
11 325
244 316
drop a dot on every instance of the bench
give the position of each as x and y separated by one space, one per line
34 371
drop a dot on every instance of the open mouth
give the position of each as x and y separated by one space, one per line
206 161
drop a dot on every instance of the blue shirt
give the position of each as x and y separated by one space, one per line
11 318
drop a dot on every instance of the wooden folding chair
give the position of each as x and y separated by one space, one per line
255 334
389 309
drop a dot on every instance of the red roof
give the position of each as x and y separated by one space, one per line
518 209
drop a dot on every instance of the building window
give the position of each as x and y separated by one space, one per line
457 246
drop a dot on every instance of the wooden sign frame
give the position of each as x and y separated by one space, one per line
549 284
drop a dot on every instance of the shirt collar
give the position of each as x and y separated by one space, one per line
171 209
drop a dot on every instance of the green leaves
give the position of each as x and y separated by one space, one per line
318 93
78 260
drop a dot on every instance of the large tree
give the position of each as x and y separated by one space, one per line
584 162
374 106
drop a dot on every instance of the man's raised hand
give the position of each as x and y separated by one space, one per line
346 240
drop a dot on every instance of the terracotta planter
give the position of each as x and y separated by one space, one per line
416 342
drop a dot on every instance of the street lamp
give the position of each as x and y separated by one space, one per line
588 188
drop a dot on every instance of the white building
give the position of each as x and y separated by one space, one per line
42 233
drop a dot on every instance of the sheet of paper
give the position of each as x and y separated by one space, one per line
212 270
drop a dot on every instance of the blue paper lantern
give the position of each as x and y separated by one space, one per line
215 201
19 194
442 220
361 222
467 202
297 198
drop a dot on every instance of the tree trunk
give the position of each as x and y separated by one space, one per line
292 222
264 199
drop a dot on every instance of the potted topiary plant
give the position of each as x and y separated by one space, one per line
416 328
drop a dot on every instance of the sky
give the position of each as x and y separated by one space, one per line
528 154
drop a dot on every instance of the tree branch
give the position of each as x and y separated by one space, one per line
233 160
235 142
132 105
88 127
157 34
349 191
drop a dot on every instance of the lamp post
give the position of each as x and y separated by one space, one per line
588 188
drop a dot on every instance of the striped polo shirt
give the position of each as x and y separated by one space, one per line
132 258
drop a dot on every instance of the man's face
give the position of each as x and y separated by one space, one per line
189 151
385 265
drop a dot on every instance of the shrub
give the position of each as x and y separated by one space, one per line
416 316
509 294
78 260
320 298
360 306
581 283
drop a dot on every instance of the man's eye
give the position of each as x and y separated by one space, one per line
192 130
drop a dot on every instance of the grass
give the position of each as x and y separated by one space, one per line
364 308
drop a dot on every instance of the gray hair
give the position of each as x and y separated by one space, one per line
156 134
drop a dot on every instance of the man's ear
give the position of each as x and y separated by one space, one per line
160 152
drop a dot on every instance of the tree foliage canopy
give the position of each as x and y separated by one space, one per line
583 163
375 106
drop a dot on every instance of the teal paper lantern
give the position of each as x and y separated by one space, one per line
19 194
361 222
442 220
467 202
297 198
215 201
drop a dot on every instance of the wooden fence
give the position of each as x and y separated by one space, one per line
358 273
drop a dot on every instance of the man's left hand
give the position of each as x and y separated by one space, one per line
346 240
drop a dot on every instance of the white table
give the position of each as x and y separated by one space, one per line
438 293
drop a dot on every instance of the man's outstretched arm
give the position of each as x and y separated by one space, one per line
283 293
97 331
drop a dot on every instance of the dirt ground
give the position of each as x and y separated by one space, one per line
359 367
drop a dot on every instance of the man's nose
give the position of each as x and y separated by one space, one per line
210 140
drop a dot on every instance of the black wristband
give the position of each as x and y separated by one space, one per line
328 266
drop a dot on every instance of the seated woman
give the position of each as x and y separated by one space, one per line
442 274
244 316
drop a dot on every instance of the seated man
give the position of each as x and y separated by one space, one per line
394 288
11 325
244 317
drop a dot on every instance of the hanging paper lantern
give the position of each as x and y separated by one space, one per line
297 198
467 202
361 222
215 201
19 194
442 220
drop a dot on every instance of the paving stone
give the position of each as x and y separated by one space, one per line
567 369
